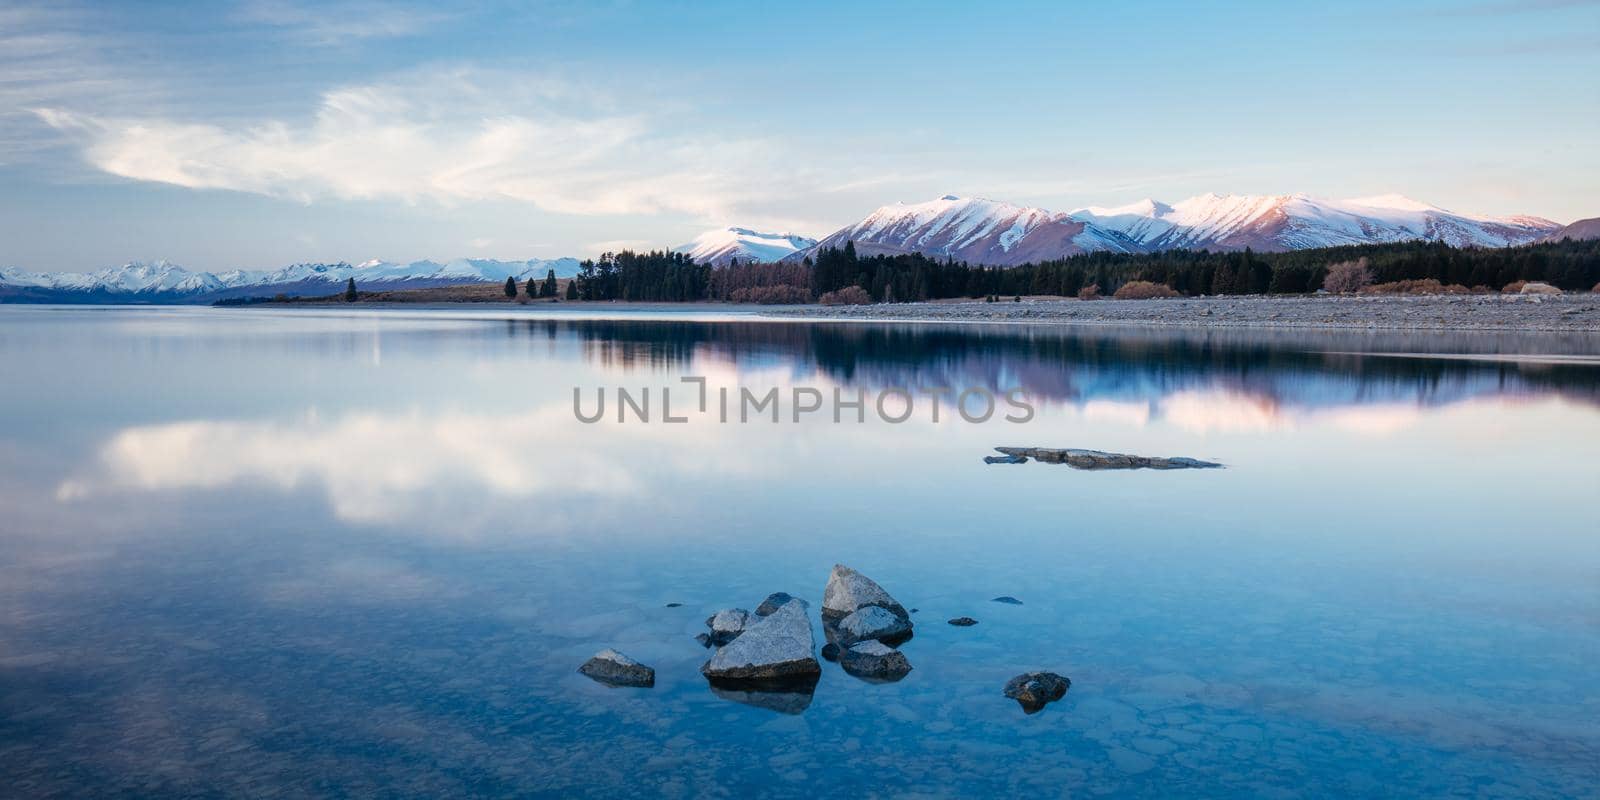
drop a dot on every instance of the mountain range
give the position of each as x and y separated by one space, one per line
164 282
974 230
991 232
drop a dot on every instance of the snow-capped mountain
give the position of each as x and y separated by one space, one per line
1296 222
165 282
974 230
719 247
991 232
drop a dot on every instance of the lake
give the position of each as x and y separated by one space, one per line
262 552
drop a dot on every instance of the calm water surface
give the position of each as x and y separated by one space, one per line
263 553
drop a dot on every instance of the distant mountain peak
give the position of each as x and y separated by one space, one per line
722 245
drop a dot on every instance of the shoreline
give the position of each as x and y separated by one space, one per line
1569 313
1564 313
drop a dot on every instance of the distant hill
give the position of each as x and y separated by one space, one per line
1582 230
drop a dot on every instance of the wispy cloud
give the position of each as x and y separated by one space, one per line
330 24
51 55
448 137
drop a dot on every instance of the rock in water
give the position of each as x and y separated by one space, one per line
1033 690
776 599
1099 459
774 647
872 622
875 661
830 651
849 591
727 624
1007 599
1005 459
615 669
963 622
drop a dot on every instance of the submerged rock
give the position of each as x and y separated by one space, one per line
1032 690
872 623
703 638
1005 459
727 624
875 661
830 651
775 600
963 622
615 669
779 645
1007 599
673 605
1099 459
849 591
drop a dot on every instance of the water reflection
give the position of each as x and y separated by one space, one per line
307 554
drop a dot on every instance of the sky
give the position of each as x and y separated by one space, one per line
260 133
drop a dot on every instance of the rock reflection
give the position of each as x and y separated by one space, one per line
785 697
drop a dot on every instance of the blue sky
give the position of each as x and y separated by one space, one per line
258 133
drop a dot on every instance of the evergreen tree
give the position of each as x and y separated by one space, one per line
549 285
572 289
532 289
350 291
511 287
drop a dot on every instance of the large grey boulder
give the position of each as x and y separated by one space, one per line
775 647
615 669
849 591
727 624
872 623
1032 690
874 661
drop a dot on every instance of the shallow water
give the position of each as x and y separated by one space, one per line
256 552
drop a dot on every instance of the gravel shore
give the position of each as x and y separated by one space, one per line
1571 312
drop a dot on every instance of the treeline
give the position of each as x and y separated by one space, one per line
663 276
658 275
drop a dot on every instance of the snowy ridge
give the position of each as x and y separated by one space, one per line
991 232
164 280
723 245
1294 222
975 230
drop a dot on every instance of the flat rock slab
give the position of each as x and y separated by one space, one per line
1032 690
849 591
963 622
615 669
777 646
872 622
1007 599
875 661
1099 459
